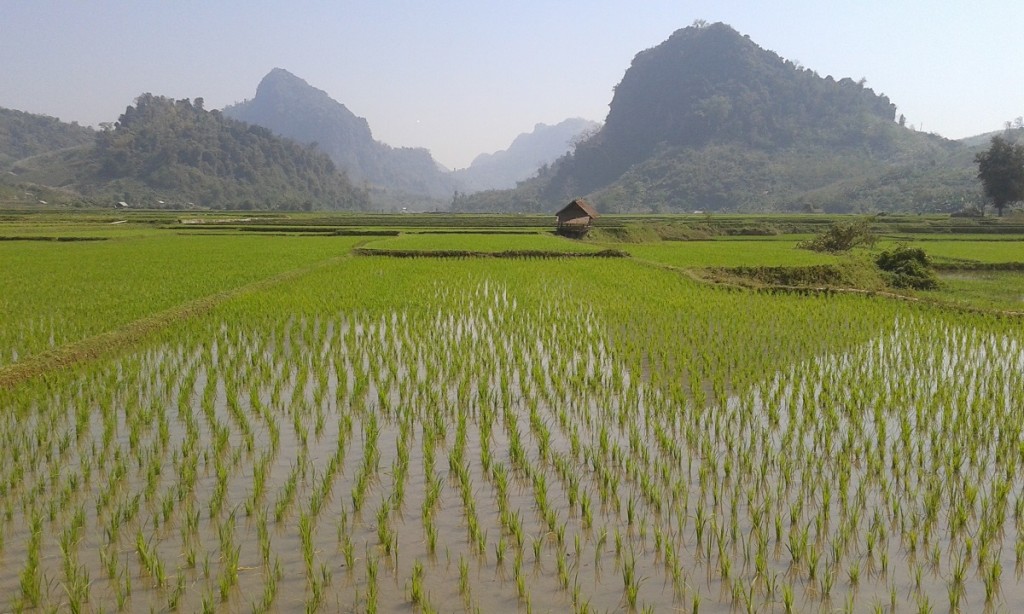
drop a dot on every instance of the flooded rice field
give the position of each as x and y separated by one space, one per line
498 455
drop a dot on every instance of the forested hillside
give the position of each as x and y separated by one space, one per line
26 134
708 120
174 153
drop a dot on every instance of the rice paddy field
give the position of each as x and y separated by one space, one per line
272 422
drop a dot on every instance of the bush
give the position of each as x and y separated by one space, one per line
907 267
841 237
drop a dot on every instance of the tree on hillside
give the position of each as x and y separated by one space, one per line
1001 171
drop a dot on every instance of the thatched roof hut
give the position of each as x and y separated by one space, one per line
575 218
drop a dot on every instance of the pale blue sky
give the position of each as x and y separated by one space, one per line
463 77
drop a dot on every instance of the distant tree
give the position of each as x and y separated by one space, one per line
1001 171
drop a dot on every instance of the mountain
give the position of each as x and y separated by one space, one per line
174 153
709 120
25 134
1012 131
527 153
292 108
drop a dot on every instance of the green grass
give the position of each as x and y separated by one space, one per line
55 293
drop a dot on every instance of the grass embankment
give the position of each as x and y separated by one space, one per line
508 254
471 242
852 272
725 253
474 245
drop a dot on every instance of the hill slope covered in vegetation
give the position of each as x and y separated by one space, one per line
23 135
709 120
174 153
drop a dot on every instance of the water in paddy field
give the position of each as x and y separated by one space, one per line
498 454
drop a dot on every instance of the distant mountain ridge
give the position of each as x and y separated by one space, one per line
527 153
708 120
290 107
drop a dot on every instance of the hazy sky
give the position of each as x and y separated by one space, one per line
463 77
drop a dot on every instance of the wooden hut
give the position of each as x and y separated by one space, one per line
575 218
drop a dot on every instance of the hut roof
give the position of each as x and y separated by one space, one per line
579 203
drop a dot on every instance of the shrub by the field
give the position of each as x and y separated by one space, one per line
907 267
841 237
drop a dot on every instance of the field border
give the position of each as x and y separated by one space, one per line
508 254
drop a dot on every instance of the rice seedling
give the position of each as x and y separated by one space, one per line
499 551
150 560
123 591
464 589
416 594
630 582
563 570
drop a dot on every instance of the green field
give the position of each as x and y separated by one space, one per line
55 293
997 290
968 250
242 420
